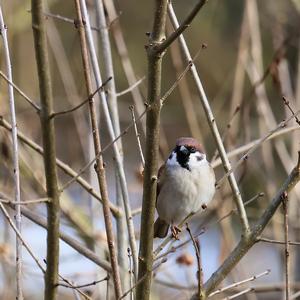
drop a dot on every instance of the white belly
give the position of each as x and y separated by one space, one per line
184 192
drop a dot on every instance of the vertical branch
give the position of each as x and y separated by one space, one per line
113 107
286 240
47 123
112 134
151 155
99 165
15 156
213 126
198 256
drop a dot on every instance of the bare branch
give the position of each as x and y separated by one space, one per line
261 239
15 154
137 135
40 43
236 284
151 154
25 202
84 285
185 24
91 96
199 272
248 290
287 103
129 89
31 102
99 167
113 129
286 242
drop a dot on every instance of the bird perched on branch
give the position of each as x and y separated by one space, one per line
186 184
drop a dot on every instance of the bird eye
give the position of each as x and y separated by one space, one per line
192 149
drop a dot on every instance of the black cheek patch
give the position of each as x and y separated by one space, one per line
171 155
199 158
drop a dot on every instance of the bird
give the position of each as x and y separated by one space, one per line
185 186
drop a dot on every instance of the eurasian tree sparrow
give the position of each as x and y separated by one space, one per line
186 183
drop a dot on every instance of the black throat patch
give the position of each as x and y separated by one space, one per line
183 158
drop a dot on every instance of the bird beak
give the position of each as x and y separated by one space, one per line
184 151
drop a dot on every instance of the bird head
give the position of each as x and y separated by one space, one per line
188 154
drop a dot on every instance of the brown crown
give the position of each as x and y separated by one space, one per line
189 142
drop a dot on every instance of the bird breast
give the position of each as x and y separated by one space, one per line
184 192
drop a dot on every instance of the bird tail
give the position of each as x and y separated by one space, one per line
160 228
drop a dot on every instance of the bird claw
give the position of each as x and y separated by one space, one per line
175 230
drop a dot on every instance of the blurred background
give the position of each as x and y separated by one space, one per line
248 59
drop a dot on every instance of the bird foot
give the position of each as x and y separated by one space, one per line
175 230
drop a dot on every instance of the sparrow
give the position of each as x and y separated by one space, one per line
186 184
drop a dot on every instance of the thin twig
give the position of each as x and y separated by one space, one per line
236 284
90 47
31 102
295 296
248 146
287 103
141 280
180 29
200 271
18 233
25 202
99 166
91 96
16 169
137 135
286 240
84 285
64 237
129 89
248 290
261 239
111 98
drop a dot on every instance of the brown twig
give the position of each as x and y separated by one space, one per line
286 241
137 135
84 285
31 102
99 165
141 280
287 103
184 25
248 290
199 265
261 239
237 284
91 96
